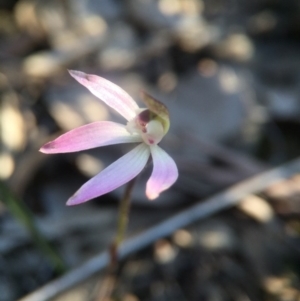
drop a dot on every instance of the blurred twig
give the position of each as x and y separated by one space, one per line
22 214
204 209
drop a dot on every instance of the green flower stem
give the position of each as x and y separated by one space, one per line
124 213
108 284
122 223
23 214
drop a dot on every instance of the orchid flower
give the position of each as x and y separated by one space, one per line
144 125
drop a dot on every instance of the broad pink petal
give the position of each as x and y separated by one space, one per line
115 175
90 136
164 173
111 94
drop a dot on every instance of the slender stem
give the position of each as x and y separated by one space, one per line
122 224
124 213
107 287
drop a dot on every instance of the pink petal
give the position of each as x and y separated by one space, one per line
164 172
111 94
90 136
115 175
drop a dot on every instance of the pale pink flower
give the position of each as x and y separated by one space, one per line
147 126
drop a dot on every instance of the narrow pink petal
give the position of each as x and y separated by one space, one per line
90 136
164 173
111 94
115 175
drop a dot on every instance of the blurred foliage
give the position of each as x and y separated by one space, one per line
21 212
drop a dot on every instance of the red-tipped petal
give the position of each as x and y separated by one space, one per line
111 94
88 136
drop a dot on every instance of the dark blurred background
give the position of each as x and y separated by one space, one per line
228 70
